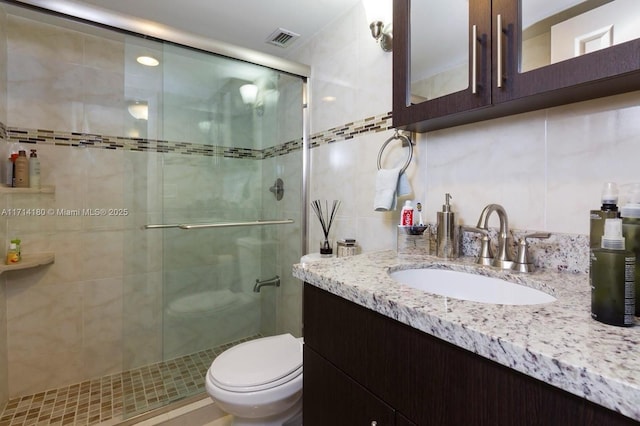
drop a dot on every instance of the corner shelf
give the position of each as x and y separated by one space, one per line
29 261
45 189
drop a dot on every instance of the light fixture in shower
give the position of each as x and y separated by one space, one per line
378 12
249 93
139 110
149 61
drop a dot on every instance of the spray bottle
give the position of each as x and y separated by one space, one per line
611 277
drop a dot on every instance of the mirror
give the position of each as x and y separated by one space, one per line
439 34
557 30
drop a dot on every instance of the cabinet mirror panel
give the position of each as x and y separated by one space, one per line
556 30
439 48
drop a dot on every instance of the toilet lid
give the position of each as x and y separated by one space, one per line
258 364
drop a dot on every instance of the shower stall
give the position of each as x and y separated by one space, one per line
189 178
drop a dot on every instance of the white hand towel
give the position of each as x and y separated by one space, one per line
386 187
404 186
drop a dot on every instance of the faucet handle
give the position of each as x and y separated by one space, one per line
522 263
486 256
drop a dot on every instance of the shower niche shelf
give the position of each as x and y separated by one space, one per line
29 261
45 189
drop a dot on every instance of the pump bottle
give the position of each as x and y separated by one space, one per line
612 278
447 232
34 170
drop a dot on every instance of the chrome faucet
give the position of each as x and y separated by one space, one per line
503 258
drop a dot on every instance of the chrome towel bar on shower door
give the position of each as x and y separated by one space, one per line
218 225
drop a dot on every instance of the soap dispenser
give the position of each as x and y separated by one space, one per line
447 232
612 278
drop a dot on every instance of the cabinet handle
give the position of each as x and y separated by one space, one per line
474 59
499 49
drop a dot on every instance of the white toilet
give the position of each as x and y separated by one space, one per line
259 382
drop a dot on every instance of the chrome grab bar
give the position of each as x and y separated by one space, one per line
218 225
161 226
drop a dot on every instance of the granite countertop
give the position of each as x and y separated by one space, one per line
558 343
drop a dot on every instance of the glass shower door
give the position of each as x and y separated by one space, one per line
221 132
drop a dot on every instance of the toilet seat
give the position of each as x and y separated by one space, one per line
258 364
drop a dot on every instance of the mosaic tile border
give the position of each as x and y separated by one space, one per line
348 131
87 140
3 131
114 397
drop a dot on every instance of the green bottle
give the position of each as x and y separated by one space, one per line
631 231
612 278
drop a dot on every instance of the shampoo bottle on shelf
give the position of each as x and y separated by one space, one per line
34 170
406 215
21 170
612 278
11 170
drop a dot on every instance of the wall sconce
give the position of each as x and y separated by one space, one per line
249 94
378 12
139 110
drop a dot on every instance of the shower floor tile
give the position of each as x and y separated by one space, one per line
110 398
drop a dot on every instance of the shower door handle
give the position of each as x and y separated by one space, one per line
230 224
218 225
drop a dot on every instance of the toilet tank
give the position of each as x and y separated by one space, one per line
256 260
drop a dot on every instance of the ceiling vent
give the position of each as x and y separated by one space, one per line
282 37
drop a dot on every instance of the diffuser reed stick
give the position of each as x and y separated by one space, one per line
326 217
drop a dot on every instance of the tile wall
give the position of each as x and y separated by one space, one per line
545 167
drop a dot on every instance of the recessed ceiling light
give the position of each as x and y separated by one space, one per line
148 61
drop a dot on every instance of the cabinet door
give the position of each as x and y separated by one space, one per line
552 52
441 60
330 397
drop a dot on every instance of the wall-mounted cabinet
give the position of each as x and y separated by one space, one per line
462 61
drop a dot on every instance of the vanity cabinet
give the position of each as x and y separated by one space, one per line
362 367
514 61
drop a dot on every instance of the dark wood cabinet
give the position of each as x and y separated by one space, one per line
501 88
349 402
361 366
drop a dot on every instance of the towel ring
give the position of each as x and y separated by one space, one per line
405 140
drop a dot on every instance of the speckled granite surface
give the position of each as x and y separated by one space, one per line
557 343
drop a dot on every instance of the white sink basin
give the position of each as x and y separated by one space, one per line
465 286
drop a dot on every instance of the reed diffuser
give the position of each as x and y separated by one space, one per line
326 217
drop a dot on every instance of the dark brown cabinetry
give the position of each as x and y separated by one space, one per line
362 367
501 88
